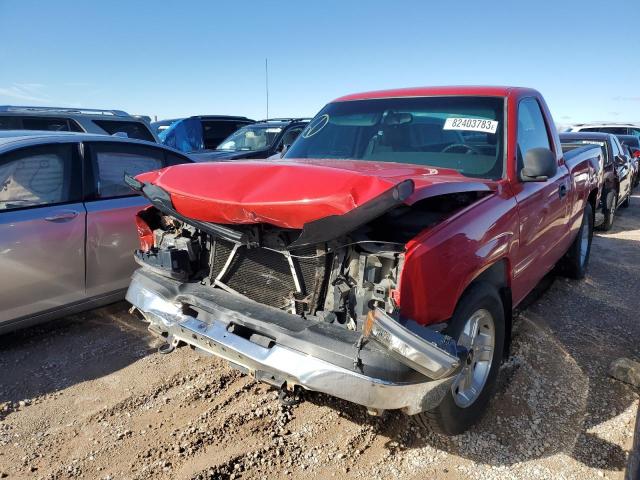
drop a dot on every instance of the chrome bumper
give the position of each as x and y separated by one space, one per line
279 364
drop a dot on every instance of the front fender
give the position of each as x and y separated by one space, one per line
443 261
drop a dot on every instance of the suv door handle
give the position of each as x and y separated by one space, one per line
562 191
62 216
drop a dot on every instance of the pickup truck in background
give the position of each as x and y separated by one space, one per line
380 259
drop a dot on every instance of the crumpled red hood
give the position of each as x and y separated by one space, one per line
294 192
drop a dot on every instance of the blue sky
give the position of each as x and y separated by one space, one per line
181 58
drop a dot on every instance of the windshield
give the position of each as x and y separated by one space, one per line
461 133
251 138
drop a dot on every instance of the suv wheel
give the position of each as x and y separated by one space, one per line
610 199
574 264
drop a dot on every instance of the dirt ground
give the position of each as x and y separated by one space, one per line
90 397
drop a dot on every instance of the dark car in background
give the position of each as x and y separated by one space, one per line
199 132
86 120
67 220
633 144
618 172
262 139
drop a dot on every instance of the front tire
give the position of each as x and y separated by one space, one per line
478 323
575 262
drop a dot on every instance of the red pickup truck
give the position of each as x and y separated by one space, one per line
380 259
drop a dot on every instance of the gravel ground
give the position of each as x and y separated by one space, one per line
89 397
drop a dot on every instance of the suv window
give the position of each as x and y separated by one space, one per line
614 130
10 123
42 175
112 161
39 123
48 123
614 146
532 131
136 130
215 131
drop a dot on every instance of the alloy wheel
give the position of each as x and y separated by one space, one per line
478 336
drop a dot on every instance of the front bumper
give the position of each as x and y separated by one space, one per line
162 301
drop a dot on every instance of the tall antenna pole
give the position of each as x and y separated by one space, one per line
266 80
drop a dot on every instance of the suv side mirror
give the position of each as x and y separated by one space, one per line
539 165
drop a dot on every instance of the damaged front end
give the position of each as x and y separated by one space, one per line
316 307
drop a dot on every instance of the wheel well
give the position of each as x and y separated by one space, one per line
498 276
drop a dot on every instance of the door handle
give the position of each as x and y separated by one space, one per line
562 191
62 216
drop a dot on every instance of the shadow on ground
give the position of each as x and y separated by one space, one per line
47 358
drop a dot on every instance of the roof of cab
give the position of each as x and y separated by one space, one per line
473 90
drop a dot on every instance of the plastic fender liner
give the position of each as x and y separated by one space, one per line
333 226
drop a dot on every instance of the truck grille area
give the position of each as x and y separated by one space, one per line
267 276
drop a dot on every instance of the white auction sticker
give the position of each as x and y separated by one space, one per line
471 124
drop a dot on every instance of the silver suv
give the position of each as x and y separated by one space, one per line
56 119
67 220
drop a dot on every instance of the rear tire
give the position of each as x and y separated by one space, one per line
609 210
464 405
575 261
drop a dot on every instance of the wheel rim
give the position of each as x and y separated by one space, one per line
478 336
584 241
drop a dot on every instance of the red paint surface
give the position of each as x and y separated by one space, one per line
292 193
523 226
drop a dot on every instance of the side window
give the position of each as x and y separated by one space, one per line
46 123
613 130
215 131
137 130
38 176
10 123
614 146
112 161
532 131
289 136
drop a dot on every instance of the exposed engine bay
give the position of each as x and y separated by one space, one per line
338 281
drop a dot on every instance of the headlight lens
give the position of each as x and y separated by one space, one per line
429 356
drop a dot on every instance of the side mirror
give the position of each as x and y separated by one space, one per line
539 165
